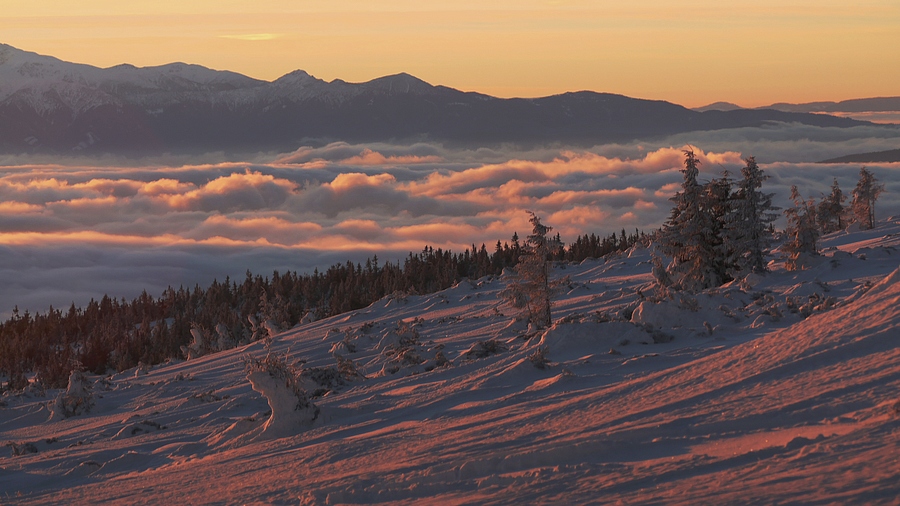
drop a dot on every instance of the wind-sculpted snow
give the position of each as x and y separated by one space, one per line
777 388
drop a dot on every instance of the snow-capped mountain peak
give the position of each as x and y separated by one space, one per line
49 105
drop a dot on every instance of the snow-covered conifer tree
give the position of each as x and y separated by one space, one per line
717 201
531 289
830 212
802 232
747 228
864 196
691 235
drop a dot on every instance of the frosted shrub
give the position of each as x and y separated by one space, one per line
348 368
78 397
402 344
483 349
539 357
19 449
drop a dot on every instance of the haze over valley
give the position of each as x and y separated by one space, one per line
83 219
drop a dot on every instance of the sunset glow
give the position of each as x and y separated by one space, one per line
750 53
446 252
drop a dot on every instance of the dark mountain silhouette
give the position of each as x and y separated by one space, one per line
51 106
718 106
891 155
877 104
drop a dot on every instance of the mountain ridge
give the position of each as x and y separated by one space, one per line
887 156
48 105
871 104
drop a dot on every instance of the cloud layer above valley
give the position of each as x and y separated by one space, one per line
70 232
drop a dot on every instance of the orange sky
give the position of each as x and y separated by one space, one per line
691 52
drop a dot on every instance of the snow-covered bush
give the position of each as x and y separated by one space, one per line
483 349
539 357
282 386
348 368
401 343
19 449
78 397
318 381
263 328
224 338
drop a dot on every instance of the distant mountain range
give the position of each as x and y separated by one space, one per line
51 106
878 104
891 155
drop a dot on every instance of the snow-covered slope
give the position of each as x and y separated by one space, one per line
781 388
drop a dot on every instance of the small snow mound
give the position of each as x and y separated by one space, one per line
694 314
86 468
570 341
637 252
800 442
137 429
233 433
752 279
129 462
882 286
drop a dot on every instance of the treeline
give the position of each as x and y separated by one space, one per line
120 334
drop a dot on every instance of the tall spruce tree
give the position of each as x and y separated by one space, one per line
748 223
690 236
717 200
530 288
802 232
830 211
864 196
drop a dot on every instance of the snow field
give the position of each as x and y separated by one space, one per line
778 388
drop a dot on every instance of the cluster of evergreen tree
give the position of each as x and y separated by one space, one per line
719 230
807 221
716 229
120 334
594 246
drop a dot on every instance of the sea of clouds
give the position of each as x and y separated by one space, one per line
76 229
